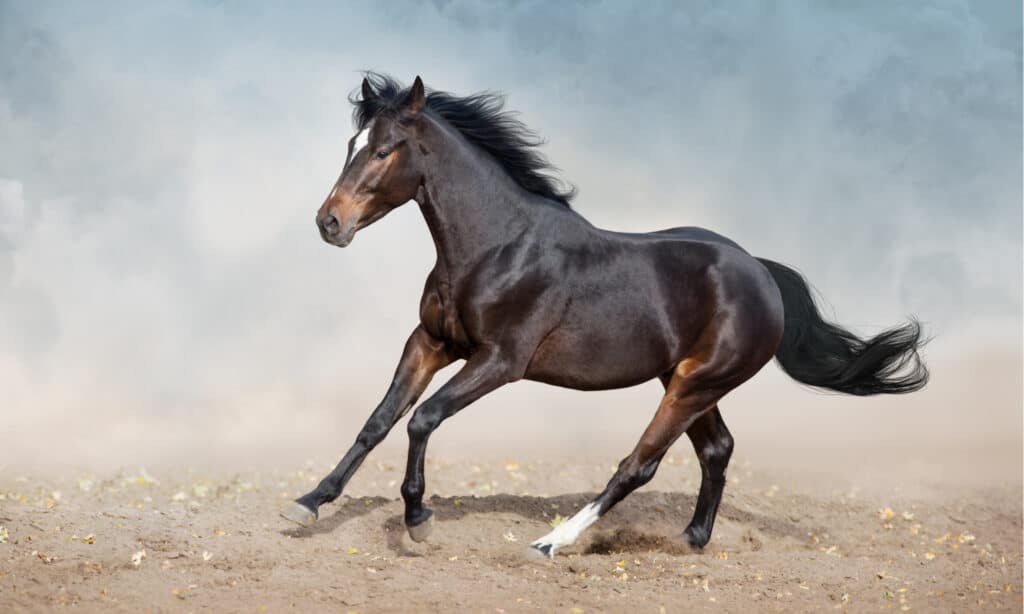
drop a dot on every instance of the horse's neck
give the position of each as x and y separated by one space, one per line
470 204
463 233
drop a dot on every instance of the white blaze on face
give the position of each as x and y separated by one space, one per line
362 140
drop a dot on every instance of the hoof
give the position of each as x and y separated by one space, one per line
420 532
698 537
547 550
299 514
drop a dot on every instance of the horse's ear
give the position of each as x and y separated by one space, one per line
368 93
415 99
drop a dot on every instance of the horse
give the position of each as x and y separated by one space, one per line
525 288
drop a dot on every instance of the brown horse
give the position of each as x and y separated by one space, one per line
525 288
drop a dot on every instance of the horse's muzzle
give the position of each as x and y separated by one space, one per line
333 231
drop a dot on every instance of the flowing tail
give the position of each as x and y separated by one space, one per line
819 353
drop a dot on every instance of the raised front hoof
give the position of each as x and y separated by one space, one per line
698 537
544 548
420 532
299 514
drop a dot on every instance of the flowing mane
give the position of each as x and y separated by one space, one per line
481 118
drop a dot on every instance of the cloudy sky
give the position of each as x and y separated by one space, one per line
162 284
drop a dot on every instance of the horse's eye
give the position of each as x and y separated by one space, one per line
382 154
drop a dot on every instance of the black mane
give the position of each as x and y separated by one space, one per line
481 119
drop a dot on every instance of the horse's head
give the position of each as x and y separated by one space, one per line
379 176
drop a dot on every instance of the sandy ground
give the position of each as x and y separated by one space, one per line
834 503
139 541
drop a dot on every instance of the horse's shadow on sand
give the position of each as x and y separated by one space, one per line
647 521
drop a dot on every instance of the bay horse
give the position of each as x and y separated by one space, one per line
525 288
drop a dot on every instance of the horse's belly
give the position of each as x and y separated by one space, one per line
598 361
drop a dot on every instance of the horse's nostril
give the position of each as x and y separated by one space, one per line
330 225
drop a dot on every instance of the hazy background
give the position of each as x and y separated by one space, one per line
165 298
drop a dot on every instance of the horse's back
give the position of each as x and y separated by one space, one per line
696 233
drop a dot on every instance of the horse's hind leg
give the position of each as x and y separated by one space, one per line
713 445
684 402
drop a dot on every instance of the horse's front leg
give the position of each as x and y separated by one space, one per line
423 356
485 371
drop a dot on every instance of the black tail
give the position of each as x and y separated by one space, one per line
819 353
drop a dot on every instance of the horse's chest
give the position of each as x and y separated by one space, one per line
440 316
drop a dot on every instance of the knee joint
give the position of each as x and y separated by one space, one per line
371 436
422 424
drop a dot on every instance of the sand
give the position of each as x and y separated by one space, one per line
909 503
786 540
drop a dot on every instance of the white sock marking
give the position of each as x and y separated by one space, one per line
566 533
